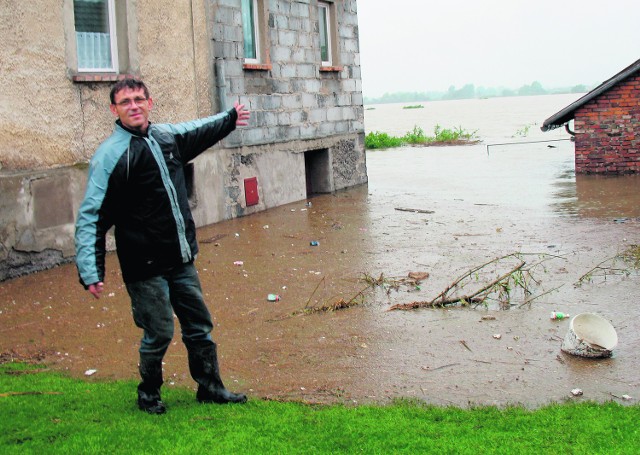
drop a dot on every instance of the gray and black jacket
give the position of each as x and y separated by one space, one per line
137 184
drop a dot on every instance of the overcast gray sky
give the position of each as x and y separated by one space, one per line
425 45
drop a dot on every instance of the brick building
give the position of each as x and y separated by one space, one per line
294 63
606 125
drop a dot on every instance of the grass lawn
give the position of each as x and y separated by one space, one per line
43 412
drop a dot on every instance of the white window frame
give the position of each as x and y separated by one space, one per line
113 41
328 27
255 28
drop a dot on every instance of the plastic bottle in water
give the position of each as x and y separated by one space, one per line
557 315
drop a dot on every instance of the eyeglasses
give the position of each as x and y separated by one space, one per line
139 101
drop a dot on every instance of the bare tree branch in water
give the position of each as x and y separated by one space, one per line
519 276
630 259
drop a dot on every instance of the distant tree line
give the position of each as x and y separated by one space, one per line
470 91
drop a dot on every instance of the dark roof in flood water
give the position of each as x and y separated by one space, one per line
560 118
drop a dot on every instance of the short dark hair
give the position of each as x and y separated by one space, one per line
131 83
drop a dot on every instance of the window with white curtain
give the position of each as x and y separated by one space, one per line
95 35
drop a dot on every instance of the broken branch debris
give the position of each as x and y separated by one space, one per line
404 209
519 276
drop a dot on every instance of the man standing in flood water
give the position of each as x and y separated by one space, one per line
136 183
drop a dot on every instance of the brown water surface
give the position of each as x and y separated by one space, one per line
523 199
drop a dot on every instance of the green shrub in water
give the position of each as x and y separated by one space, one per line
378 140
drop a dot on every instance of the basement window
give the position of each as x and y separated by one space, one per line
318 172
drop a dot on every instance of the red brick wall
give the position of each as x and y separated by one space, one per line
608 131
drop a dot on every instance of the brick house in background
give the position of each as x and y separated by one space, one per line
606 125
294 63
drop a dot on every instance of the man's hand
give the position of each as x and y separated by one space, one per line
96 289
243 114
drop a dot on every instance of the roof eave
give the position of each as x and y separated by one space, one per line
568 113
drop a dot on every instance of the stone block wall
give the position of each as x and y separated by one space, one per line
298 106
608 131
292 97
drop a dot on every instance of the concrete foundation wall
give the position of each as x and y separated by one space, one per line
37 211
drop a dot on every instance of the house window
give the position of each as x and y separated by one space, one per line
255 35
95 29
324 25
250 27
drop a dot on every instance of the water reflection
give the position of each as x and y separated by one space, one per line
608 196
598 196
565 199
534 179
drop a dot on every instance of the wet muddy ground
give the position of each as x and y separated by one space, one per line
484 206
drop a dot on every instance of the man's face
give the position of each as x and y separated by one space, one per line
132 108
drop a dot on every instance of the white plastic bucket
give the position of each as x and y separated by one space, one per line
590 335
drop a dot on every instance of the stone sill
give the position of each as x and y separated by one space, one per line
257 66
331 69
99 77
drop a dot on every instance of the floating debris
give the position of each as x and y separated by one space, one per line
590 335
418 276
404 209
557 315
214 239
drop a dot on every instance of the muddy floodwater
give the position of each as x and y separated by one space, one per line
440 210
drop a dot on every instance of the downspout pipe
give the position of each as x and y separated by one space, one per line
221 84
568 129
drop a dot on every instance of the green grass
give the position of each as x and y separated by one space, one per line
413 106
417 136
44 412
524 131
